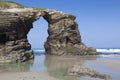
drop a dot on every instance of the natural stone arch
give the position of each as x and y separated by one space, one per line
64 37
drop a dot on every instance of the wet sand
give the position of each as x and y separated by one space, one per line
114 64
56 67
26 76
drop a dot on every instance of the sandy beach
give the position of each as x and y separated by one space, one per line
113 64
26 76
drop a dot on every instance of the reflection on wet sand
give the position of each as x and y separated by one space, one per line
19 67
58 66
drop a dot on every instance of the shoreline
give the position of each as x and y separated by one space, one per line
59 63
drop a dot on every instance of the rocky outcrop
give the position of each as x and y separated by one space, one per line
78 70
64 37
14 46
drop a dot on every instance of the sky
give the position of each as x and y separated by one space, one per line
98 20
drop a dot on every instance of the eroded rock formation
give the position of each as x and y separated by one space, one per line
78 70
64 37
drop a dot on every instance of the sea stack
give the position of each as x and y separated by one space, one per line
15 23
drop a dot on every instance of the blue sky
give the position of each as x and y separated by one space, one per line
98 20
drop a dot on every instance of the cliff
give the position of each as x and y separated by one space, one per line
15 23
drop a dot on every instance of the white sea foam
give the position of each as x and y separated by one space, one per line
98 50
108 50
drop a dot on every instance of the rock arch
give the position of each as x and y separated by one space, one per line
64 37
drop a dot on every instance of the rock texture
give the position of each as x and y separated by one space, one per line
78 70
14 46
64 37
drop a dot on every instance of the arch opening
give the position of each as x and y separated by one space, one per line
37 36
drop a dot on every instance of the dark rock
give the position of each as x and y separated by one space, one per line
92 50
64 37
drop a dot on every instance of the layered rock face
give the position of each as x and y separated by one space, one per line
14 46
64 37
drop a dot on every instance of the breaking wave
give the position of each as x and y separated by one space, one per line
114 51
